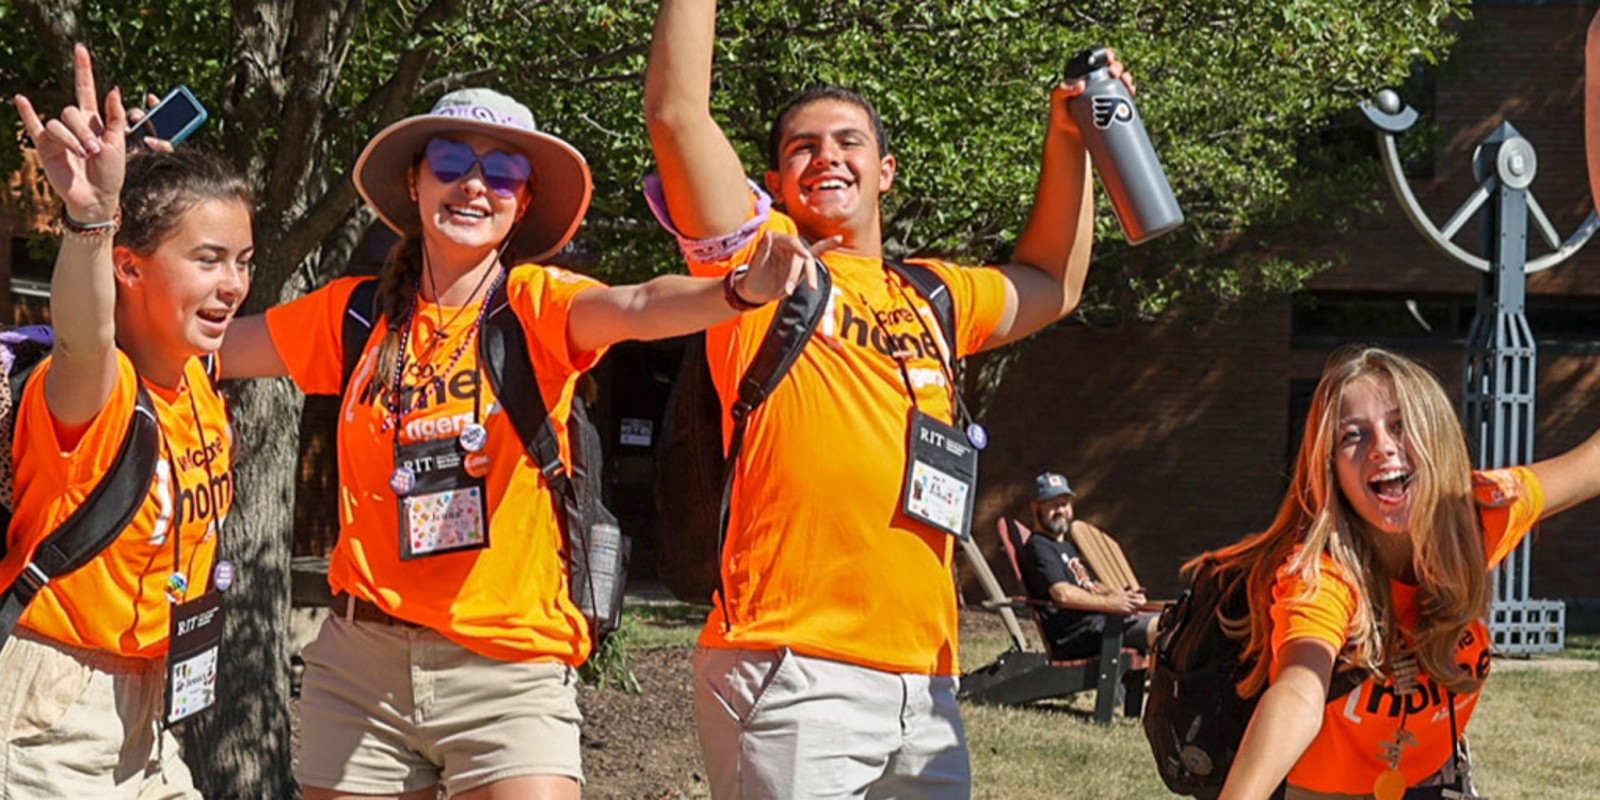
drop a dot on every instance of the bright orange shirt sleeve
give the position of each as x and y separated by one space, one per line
543 300
980 300
1324 615
308 334
1510 502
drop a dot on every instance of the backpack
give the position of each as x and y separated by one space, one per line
109 507
597 552
694 474
1194 717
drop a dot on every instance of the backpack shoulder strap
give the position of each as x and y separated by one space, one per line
94 525
360 315
933 289
786 337
503 349
791 329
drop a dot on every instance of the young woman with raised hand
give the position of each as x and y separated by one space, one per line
1379 559
449 658
154 261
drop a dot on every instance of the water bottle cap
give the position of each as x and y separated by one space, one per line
1087 61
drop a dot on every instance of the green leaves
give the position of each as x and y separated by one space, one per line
1247 102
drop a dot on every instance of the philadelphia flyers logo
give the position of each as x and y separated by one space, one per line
1109 109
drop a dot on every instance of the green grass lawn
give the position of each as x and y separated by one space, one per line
1536 734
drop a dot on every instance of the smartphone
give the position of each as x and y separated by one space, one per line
177 116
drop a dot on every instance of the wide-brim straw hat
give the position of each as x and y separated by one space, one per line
561 182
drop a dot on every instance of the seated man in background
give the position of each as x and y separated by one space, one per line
1055 572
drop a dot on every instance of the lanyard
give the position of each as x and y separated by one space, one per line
958 404
178 582
404 478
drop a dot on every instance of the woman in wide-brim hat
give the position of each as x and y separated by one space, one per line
449 658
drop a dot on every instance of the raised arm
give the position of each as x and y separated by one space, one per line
674 305
1285 722
700 172
1570 478
84 158
248 351
1051 260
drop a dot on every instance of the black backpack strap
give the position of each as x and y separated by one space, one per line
503 350
502 344
796 319
360 315
933 289
94 525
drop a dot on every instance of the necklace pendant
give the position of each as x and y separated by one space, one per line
473 437
403 480
177 587
1391 785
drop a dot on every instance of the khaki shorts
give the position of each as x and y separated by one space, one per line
390 709
84 723
778 725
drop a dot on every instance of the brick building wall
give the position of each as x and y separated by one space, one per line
1177 435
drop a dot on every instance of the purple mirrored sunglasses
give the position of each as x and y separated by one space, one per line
504 172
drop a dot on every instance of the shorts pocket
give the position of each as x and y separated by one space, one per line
785 679
737 679
48 683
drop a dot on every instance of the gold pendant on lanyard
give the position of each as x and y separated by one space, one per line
1391 783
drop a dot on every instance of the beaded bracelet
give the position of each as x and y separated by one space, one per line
106 228
730 292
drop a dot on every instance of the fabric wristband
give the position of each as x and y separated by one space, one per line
105 228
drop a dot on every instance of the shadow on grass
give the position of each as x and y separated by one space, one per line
1078 706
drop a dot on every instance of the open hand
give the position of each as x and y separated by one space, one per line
781 261
84 153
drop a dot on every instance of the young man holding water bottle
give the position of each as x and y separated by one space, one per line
828 666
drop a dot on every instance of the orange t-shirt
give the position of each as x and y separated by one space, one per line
1347 755
509 600
117 602
820 556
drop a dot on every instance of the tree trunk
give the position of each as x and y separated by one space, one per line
240 747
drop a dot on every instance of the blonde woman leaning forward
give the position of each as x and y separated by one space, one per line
1379 558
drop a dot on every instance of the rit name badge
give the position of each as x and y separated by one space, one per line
192 656
446 510
941 476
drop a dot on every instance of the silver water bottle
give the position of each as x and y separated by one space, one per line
1126 162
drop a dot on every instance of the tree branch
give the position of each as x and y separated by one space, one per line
324 215
390 102
58 25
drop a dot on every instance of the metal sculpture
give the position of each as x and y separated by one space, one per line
1499 376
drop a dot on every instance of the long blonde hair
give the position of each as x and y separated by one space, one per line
1446 536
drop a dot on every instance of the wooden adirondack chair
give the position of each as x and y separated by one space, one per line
1117 674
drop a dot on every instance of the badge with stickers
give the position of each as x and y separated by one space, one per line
941 476
445 509
192 656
